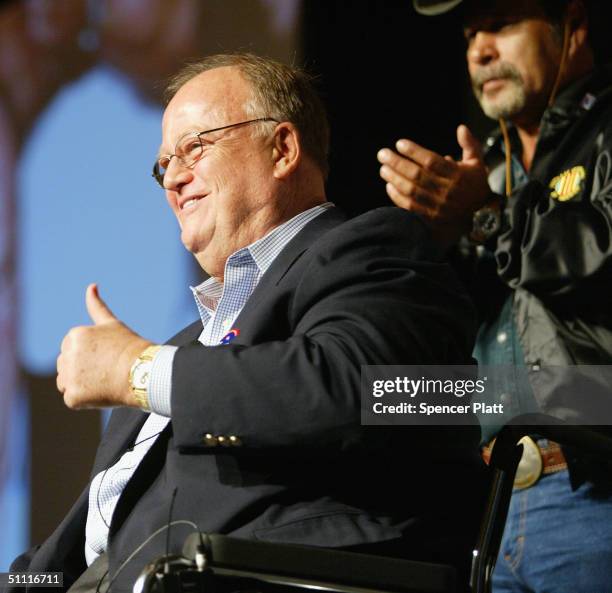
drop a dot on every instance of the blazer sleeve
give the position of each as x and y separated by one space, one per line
373 291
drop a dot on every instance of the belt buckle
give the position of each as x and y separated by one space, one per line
530 466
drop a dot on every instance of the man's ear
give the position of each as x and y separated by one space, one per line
578 21
286 149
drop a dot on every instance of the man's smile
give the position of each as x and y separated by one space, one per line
189 202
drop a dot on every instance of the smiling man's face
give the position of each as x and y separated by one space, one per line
513 55
225 200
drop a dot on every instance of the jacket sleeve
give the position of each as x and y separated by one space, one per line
20 564
373 292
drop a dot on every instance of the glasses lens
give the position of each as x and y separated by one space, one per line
188 152
189 149
159 169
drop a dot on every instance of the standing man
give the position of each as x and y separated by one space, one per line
543 265
248 421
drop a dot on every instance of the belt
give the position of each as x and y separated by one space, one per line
535 461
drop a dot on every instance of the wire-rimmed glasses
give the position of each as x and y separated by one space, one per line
190 147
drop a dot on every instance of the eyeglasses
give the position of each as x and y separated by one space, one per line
189 149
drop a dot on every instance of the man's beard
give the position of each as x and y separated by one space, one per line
507 101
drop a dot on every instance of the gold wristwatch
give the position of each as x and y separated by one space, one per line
140 374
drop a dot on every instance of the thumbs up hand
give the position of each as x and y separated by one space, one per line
95 360
98 310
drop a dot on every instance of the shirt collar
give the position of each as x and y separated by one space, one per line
262 252
265 250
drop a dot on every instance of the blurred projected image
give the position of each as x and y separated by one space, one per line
80 111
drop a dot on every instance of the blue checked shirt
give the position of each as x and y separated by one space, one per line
218 305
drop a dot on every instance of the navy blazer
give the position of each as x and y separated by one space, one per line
301 468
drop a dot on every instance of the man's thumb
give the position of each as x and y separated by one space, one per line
96 307
469 144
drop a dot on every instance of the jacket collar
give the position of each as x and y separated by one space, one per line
279 267
572 102
292 252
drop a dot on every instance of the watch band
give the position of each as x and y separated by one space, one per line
139 382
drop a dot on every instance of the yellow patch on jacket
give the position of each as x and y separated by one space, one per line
566 185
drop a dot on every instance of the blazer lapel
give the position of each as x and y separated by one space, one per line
146 473
290 255
121 431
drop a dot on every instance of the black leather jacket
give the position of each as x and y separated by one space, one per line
555 246
553 254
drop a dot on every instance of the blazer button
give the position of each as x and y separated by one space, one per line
234 441
209 440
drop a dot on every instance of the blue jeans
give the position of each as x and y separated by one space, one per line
556 540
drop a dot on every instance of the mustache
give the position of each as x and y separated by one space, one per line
499 70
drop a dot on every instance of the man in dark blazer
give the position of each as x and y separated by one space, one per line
260 437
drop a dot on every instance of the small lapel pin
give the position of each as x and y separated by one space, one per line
229 336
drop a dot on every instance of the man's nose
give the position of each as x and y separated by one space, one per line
177 175
482 48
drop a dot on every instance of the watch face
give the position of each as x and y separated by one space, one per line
487 221
140 377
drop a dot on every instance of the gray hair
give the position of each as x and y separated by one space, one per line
279 92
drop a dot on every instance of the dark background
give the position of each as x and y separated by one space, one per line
385 73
